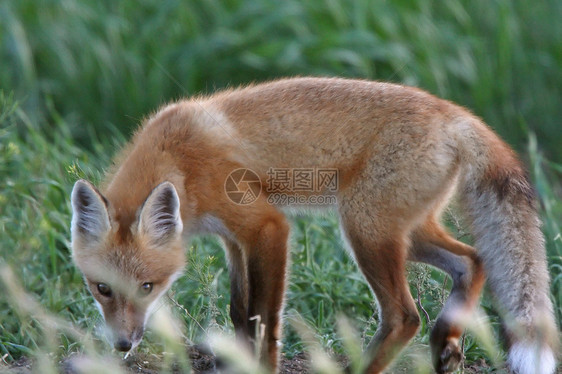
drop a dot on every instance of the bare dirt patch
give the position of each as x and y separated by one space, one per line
202 362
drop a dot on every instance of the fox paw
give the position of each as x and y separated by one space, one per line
450 358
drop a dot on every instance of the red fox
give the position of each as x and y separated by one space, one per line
400 155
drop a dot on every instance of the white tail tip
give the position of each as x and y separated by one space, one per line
528 358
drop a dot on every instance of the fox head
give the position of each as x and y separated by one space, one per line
127 273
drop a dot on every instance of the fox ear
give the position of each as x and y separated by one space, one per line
90 219
160 219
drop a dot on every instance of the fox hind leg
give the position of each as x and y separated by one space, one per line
383 264
435 247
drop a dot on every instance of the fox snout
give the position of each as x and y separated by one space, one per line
124 342
125 327
123 345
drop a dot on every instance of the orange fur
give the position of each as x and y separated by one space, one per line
400 153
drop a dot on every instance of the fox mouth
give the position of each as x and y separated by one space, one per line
131 351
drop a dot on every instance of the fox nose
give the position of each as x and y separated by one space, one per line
123 345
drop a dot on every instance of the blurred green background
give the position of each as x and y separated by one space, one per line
109 63
77 76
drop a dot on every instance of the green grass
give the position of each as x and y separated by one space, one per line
78 76
105 64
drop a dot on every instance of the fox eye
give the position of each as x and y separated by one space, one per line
104 289
146 288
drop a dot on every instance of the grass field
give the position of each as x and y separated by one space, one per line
77 76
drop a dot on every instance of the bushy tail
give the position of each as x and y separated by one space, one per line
502 211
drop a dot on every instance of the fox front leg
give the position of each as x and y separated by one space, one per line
263 240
